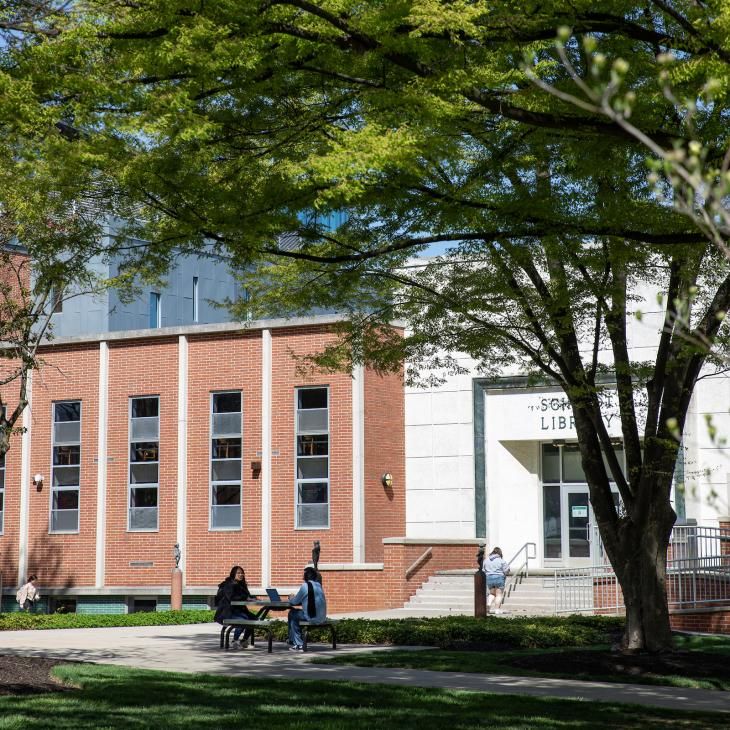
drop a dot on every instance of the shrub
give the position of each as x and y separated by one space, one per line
463 631
445 632
21 620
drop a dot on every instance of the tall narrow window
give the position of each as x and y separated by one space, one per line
312 467
66 467
195 299
155 313
225 461
144 462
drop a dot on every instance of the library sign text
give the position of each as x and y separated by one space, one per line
554 413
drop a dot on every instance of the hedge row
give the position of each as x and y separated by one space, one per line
451 631
20 620
465 631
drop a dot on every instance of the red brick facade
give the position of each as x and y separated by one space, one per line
199 362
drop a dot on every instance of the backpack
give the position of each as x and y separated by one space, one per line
219 597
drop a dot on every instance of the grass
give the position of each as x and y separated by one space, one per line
501 662
111 697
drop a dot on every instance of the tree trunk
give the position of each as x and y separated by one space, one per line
641 569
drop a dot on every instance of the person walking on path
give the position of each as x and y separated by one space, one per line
234 588
310 597
28 594
497 569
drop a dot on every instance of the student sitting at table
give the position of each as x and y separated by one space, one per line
234 588
310 597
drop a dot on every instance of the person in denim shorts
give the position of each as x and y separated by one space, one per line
497 569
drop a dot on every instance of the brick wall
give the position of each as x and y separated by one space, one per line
385 508
217 363
291 548
713 621
11 518
141 368
64 560
390 586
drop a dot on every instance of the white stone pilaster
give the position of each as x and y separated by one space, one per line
358 464
101 465
266 393
25 446
182 448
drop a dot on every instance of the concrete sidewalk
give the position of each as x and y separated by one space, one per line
194 648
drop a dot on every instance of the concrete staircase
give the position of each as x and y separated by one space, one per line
452 592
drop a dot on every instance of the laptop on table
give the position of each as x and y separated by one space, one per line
273 594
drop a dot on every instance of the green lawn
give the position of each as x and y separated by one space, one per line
111 697
691 673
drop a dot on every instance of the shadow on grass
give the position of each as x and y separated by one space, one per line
119 697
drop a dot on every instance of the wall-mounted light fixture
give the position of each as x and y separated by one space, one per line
387 480
255 469
558 442
38 481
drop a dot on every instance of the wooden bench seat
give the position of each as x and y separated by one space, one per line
255 625
329 623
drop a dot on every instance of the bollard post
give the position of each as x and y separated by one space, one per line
176 581
480 586
176 590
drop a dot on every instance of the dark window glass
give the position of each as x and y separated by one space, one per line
314 493
227 448
550 463
66 499
144 605
312 398
144 451
2 502
551 522
64 605
2 461
227 403
65 455
67 412
227 495
145 407
316 445
143 497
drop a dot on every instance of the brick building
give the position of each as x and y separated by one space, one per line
206 436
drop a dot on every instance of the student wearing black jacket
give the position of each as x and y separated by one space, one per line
234 588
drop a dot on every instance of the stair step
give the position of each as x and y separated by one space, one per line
453 592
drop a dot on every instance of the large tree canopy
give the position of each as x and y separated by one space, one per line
233 125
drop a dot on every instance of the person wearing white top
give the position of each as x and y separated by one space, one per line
28 594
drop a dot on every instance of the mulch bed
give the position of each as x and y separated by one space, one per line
21 675
698 665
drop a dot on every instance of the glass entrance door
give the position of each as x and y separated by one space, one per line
577 521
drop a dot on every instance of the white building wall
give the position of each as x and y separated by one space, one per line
440 477
440 460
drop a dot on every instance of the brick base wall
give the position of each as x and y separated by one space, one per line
373 589
708 620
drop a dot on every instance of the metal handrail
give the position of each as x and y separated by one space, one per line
418 562
523 571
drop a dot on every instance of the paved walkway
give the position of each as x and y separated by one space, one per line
195 649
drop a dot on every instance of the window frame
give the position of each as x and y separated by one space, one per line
143 485
156 299
54 490
224 482
297 480
196 310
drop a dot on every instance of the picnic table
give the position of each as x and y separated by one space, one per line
260 622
